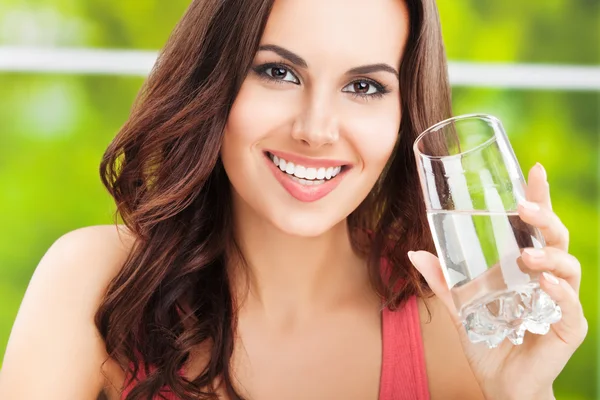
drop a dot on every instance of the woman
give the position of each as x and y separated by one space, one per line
269 192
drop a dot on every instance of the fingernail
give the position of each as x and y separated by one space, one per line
410 257
550 278
535 253
529 205
543 170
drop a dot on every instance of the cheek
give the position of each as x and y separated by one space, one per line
374 136
256 112
257 115
241 127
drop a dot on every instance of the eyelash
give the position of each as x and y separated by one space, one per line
261 72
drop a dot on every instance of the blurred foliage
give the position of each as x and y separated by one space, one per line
54 128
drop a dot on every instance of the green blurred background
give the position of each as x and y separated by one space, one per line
55 127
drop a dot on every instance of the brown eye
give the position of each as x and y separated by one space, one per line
365 88
361 87
278 73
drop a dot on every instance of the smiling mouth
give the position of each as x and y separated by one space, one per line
306 175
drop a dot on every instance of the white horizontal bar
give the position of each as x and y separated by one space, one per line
76 61
139 63
524 76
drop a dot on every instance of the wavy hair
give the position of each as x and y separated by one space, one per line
164 172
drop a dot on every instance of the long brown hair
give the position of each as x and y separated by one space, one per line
164 172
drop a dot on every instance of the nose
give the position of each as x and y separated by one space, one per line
317 125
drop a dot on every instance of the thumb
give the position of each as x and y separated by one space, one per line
429 266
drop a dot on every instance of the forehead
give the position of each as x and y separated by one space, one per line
340 31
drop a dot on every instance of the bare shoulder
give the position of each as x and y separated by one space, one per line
54 348
448 370
111 242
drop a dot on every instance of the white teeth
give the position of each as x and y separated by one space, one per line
299 171
289 168
304 175
321 173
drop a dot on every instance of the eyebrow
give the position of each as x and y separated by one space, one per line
366 69
300 62
292 57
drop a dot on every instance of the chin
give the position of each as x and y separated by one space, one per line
303 225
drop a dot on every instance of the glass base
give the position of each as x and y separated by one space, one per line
509 315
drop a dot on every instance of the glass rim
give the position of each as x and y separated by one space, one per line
441 124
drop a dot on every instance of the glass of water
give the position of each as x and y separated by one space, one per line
472 184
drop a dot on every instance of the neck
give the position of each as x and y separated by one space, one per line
284 275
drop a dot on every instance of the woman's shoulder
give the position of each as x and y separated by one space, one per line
54 337
90 256
448 371
112 241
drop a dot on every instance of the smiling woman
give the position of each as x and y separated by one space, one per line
259 153
269 192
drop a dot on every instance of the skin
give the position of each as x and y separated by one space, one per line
305 332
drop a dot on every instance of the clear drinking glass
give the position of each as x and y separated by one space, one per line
472 184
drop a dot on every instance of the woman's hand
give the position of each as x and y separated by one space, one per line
526 371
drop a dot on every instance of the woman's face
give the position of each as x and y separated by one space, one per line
318 115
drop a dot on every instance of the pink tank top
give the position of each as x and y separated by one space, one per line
403 373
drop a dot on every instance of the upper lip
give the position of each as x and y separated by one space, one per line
307 161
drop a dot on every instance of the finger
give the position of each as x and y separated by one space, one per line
558 262
538 189
429 266
573 326
554 231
